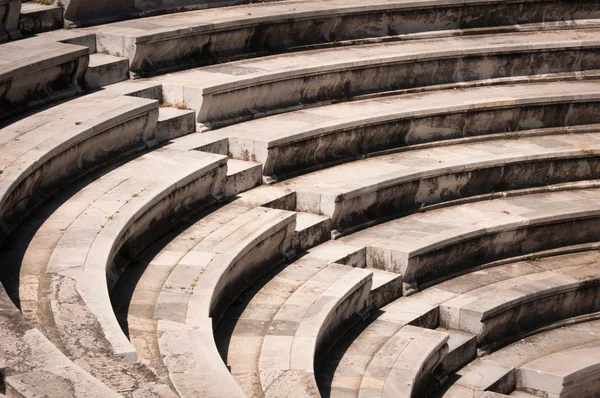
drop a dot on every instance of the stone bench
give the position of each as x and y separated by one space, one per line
573 373
82 248
305 327
228 93
34 72
502 312
209 265
45 151
366 192
170 42
500 370
9 20
407 365
298 142
31 365
430 247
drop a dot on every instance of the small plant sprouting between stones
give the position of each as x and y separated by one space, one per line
422 208
245 154
534 258
182 105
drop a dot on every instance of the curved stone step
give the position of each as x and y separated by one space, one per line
189 284
240 336
84 245
343 372
32 367
500 370
34 72
305 326
213 35
228 93
433 246
407 365
573 373
501 312
45 151
298 142
369 191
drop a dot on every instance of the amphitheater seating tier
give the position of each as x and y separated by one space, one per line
427 225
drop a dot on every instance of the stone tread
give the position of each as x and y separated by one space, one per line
347 368
28 143
487 370
28 55
165 26
557 373
399 366
240 74
74 249
383 171
468 312
287 358
171 304
34 367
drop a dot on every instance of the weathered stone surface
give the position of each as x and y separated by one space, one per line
407 365
34 72
573 373
43 152
305 326
175 42
297 142
9 20
105 69
228 93
102 227
195 278
37 18
33 367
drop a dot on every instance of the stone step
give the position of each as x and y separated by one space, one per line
502 312
79 252
29 77
430 247
311 230
362 193
190 283
306 325
174 123
242 176
38 18
498 371
462 349
562 374
325 136
106 69
407 365
281 83
43 152
173 42
33 367
240 335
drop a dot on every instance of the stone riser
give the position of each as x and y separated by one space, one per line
40 86
344 145
201 47
117 141
386 203
223 108
464 256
